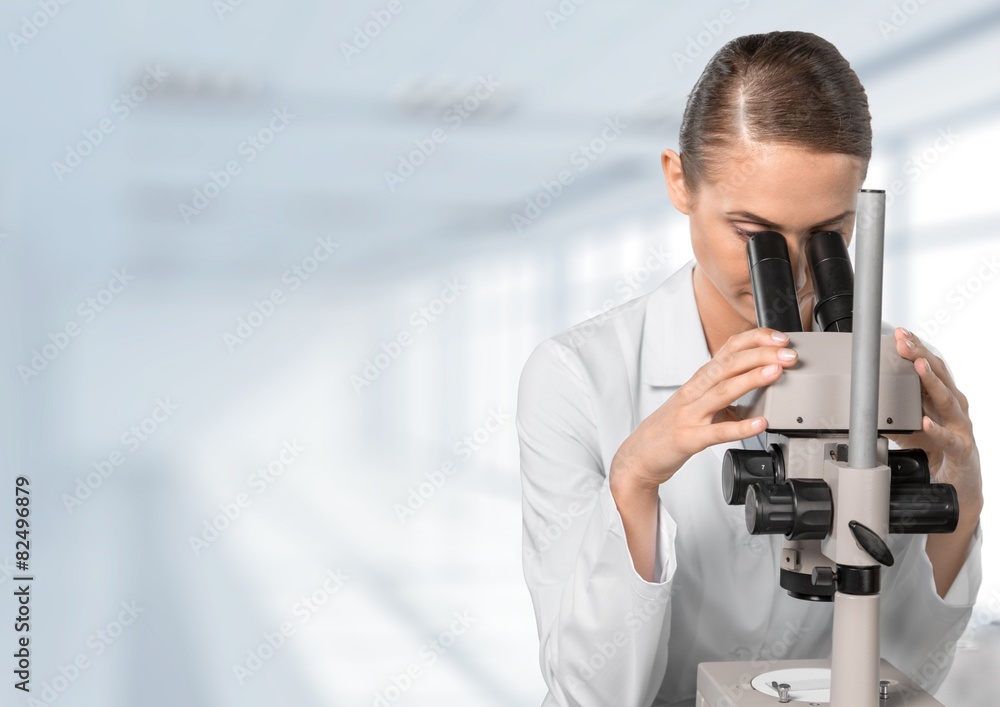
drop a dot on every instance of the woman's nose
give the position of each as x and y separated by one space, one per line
800 267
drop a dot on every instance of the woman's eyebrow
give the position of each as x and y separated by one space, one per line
754 218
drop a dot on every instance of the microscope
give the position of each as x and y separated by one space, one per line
827 479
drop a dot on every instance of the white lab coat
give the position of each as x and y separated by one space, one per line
607 637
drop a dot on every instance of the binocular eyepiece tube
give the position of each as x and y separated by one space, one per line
833 281
773 282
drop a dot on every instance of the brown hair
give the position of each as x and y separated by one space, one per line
790 88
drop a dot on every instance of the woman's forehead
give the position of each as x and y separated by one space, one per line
775 177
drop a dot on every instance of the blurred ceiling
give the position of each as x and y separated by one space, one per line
375 92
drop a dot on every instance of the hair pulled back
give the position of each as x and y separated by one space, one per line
791 88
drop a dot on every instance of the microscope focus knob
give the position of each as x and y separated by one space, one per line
799 509
742 467
770 509
923 508
909 466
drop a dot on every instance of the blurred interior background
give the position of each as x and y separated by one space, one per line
270 272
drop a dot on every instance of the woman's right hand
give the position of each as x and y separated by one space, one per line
698 415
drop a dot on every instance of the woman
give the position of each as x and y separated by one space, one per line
637 570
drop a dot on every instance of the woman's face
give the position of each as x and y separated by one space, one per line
763 187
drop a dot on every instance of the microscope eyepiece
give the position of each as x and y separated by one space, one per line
773 283
833 281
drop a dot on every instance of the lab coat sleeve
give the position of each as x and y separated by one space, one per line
919 629
602 628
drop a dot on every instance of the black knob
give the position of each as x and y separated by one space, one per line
872 543
823 576
799 509
769 510
742 467
909 466
923 508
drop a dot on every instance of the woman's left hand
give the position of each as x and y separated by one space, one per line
947 429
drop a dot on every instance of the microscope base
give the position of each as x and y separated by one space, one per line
728 685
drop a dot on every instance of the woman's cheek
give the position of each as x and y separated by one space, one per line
738 267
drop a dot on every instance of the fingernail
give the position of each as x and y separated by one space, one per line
757 424
931 423
780 336
771 370
787 354
906 332
910 345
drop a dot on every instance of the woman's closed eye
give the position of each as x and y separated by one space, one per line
746 234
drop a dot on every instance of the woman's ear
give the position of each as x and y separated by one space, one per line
673 172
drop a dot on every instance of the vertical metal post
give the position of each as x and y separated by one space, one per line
869 249
856 650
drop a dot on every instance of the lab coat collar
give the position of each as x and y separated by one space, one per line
673 340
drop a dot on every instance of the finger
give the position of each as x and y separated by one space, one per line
753 338
730 363
729 390
911 348
909 440
943 398
723 432
946 440
722 367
